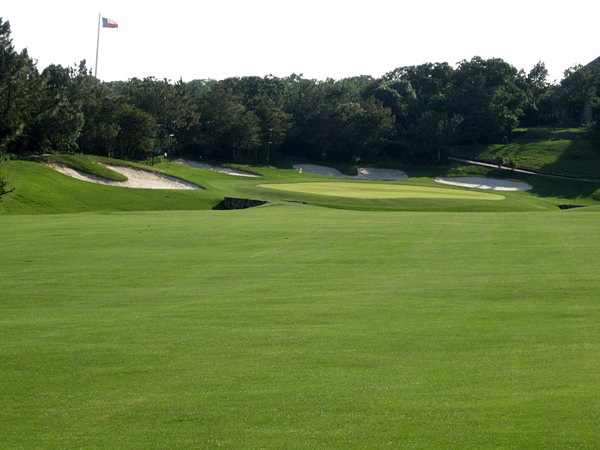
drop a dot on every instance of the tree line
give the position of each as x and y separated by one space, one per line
412 113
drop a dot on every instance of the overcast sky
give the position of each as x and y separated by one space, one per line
318 38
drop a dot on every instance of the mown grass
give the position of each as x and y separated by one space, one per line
563 156
300 327
84 163
381 191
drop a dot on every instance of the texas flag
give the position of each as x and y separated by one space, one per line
109 23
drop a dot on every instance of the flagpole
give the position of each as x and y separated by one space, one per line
97 45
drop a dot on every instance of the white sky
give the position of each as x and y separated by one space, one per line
318 38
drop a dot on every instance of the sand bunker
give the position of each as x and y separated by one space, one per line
372 173
364 173
136 178
220 169
485 183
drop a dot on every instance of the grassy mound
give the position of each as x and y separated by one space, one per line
38 189
84 163
294 324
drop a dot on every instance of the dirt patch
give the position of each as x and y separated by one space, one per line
136 178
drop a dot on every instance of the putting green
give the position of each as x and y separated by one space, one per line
364 190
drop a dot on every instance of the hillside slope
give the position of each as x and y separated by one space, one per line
566 152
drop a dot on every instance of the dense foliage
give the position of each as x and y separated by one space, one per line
414 112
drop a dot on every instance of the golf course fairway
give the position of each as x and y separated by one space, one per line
294 326
380 191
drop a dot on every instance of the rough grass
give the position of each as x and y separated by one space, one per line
84 163
300 327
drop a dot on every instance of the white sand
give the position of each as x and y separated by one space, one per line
220 169
485 183
136 178
364 173
372 173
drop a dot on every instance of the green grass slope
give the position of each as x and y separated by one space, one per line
38 189
300 327
575 157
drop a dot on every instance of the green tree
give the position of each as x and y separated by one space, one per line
274 124
400 97
490 95
172 105
315 109
137 133
229 130
57 120
434 132
19 84
538 90
363 129
100 128
418 98
579 87
265 98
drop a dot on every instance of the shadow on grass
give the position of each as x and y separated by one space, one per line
570 157
579 158
564 189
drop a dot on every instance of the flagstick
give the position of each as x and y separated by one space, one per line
97 45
